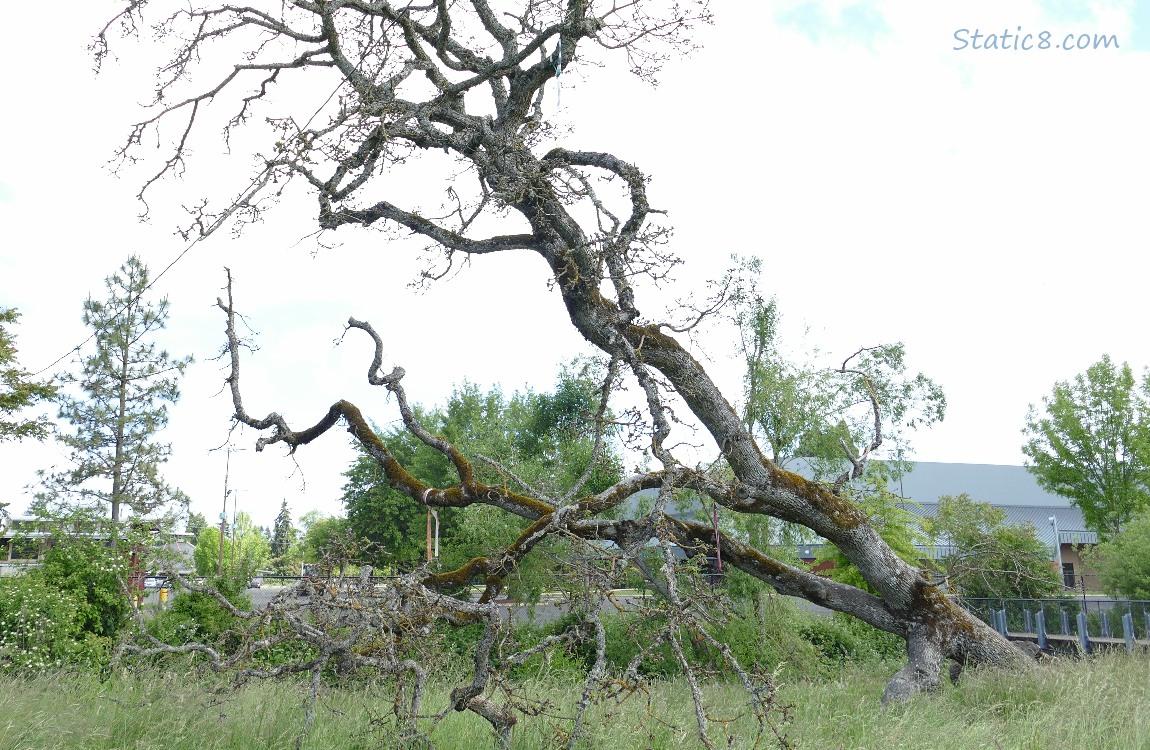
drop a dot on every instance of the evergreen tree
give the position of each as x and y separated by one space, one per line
196 524
126 384
283 533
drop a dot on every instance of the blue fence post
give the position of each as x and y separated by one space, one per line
1002 621
1028 621
1146 629
1128 631
1065 622
1105 617
1083 635
1040 629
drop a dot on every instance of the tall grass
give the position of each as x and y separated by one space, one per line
1101 703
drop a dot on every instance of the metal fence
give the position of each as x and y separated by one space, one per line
1088 620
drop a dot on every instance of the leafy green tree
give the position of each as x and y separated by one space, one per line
1123 562
323 537
126 384
539 439
251 549
827 415
1091 443
991 558
393 523
18 390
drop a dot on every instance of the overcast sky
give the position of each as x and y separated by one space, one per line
984 206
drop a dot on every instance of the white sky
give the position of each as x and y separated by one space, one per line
986 207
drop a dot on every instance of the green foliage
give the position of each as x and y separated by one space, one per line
67 611
823 415
542 441
393 522
991 558
1123 562
327 538
286 551
196 524
199 617
42 627
126 384
826 418
251 549
1091 443
283 533
91 571
771 633
898 527
18 391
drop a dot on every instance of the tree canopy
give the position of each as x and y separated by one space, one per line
826 415
986 556
1123 562
1091 443
18 389
535 442
245 549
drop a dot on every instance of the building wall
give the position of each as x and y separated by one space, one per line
1083 573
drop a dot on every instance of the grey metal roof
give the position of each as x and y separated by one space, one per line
1071 527
989 483
1011 488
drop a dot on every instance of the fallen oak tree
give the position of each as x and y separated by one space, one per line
597 247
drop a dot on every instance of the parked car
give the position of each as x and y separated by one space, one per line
155 582
256 583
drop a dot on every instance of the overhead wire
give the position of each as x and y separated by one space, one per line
250 190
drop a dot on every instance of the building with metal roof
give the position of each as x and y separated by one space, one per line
1012 489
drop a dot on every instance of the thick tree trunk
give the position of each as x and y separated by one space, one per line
935 628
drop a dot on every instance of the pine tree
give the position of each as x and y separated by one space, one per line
126 385
283 535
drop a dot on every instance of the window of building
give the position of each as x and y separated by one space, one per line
23 549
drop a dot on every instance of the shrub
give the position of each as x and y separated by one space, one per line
91 571
42 627
1123 562
195 616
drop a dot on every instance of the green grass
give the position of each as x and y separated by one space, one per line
1103 703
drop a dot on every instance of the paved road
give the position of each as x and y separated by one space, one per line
544 612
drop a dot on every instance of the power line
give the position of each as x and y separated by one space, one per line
254 186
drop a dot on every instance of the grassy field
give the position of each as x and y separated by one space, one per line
1103 703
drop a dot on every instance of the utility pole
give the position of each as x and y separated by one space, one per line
235 519
224 513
